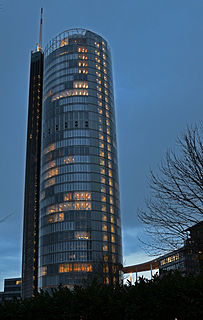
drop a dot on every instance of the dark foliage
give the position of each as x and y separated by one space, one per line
170 297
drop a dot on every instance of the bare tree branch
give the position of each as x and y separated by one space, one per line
176 198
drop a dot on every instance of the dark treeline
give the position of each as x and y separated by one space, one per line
168 298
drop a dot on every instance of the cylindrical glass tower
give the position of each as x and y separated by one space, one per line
80 229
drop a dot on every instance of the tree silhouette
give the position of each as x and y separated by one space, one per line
176 198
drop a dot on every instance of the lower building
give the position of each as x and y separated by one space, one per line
12 289
172 261
189 258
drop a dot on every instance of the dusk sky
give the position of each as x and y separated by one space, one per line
157 55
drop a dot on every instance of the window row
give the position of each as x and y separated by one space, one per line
67 93
72 187
64 161
59 59
72 177
66 246
61 73
66 257
76 267
56 82
57 227
65 169
66 206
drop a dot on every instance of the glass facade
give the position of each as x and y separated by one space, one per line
79 227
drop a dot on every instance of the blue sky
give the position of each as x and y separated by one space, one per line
157 52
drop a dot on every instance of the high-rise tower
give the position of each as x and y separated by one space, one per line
79 230
32 175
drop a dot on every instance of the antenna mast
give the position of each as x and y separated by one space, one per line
39 45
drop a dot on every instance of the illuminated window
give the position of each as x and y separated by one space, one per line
107 114
102 180
63 42
68 160
82 56
104 217
82 64
100 110
107 107
49 183
50 148
108 147
103 189
105 84
43 271
101 136
110 182
82 195
103 49
97 52
109 156
99 96
103 199
112 219
108 131
82 71
100 128
80 84
99 88
82 49
106 92
97 60
81 235
105 268
101 144
113 249
104 227
111 209
112 229
112 238
77 196
105 71
104 63
98 74
56 218
51 173
104 56
98 81
102 170
111 200
105 247
106 280
101 153
103 208
105 258
68 93
99 103
107 122
102 162
76 267
98 67
18 282
106 99
110 173
105 238
108 139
